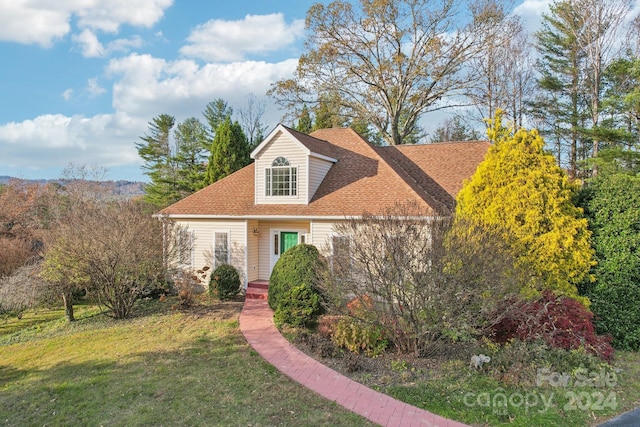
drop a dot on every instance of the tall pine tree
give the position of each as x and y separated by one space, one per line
561 104
191 155
229 152
159 163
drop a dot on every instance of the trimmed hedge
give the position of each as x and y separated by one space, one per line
612 206
293 294
225 282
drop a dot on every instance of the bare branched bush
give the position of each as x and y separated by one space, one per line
189 284
22 290
430 281
14 252
115 249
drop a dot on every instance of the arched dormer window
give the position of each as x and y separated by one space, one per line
281 179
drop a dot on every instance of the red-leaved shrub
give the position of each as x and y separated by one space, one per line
561 322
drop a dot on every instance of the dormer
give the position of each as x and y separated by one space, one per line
289 167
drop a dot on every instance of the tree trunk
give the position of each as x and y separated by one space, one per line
67 297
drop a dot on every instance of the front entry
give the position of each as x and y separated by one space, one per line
281 241
288 239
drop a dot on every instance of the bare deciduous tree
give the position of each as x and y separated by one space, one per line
251 119
115 249
599 38
505 70
389 62
22 290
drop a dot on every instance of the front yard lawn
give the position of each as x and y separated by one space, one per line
164 367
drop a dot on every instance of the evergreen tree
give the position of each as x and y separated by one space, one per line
327 113
191 156
229 152
305 124
454 129
519 190
561 103
158 154
620 128
215 113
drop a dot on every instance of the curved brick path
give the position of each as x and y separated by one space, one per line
256 324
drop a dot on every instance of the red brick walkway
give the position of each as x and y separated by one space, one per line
256 323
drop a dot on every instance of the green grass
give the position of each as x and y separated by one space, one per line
166 367
473 397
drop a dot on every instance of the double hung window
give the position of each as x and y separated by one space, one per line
220 249
281 179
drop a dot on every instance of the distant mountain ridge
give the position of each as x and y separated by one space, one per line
120 189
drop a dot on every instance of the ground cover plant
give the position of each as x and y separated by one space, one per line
525 384
166 366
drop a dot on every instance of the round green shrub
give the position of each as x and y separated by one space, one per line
298 266
298 307
224 282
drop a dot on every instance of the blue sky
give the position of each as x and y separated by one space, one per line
81 79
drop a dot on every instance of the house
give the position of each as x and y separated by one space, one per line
300 185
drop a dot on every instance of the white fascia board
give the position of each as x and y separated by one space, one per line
259 217
323 157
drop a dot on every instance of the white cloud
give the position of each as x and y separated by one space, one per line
94 88
531 13
124 45
43 22
225 41
89 44
148 86
109 15
67 94
103 140
145 87
91 47
29 24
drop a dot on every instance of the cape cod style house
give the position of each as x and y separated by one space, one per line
300 185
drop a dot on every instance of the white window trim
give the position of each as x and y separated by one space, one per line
293 184
213 244
191 242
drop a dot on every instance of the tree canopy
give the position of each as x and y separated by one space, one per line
387 62
519 190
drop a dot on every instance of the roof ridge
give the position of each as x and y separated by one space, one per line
304 135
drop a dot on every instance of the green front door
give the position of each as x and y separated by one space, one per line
288 240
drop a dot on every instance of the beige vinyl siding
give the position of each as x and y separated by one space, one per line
282 146
203 231
318 169
253 258
321 232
